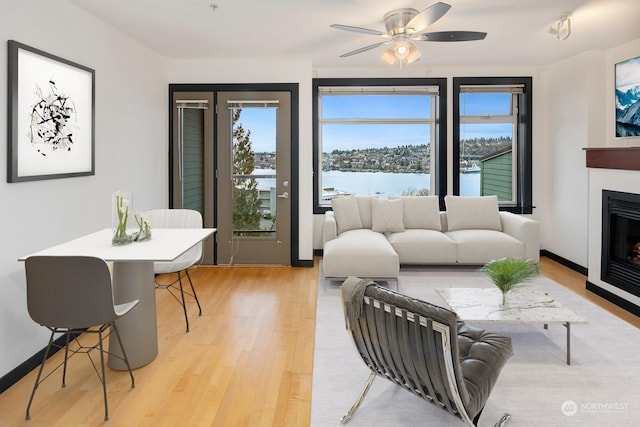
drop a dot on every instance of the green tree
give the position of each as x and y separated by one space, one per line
412 191
246 200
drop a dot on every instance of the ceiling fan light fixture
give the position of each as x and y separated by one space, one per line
402 49
414 55
389 56
406 25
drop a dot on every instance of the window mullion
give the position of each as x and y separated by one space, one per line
377 121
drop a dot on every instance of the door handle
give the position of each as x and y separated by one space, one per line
284 195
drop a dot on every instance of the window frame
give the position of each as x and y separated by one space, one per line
439 115
522 139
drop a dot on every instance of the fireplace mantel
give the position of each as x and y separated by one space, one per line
627 158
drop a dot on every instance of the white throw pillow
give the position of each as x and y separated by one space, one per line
346 213
473 213
364 206
387 216
421 212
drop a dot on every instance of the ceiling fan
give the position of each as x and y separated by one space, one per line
406 25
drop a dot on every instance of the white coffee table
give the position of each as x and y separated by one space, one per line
523 305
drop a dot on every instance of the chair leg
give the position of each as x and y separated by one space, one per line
184 304
104 378
35 385
503 420
195 295
124 353
345 419
66 357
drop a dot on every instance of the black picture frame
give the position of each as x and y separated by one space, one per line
51 116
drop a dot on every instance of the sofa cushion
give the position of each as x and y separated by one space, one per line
423 247
346 212
470 213
387 215
362 253
364 206
482 246
421 212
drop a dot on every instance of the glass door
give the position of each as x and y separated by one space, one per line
253 170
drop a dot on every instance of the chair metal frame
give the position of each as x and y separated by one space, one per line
172 288
165 218
82 349
55 287
435 371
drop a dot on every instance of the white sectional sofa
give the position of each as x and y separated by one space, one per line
368 237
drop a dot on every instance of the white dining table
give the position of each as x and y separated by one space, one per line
133 278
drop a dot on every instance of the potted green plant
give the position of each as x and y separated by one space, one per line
509 273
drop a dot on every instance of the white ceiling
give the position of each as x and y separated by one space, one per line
517 29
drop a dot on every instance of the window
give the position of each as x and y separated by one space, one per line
377 137
492 140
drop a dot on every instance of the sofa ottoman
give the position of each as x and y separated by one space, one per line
360 252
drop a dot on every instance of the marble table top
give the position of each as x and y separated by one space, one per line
523 305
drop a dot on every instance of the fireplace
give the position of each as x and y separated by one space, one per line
621 240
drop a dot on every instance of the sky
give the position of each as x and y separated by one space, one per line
261 121
628 73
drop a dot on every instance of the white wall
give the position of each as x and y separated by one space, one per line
573 112
130 149
278 70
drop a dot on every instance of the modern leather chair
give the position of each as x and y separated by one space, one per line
73 295
178 218
424 349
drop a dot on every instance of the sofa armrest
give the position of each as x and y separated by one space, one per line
525 230
330 229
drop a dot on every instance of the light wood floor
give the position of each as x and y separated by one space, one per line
247 361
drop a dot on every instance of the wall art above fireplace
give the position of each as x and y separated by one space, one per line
627 82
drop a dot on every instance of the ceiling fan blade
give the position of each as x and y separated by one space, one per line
450 36
428 16
358 30
364 49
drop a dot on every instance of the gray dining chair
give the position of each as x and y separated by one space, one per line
178 218
73 295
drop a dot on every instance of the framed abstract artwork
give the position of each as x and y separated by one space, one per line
51 116
627 81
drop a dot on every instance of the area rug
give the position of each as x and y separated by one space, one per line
601 387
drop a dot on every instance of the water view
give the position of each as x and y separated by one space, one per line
384 184
381 184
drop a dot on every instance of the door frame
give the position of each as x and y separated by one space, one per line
293 89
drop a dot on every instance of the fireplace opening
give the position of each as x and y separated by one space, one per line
621 240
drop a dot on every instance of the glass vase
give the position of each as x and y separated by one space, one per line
144 228
121 206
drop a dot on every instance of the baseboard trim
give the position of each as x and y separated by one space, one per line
303 263
560 260
29 365
613 298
